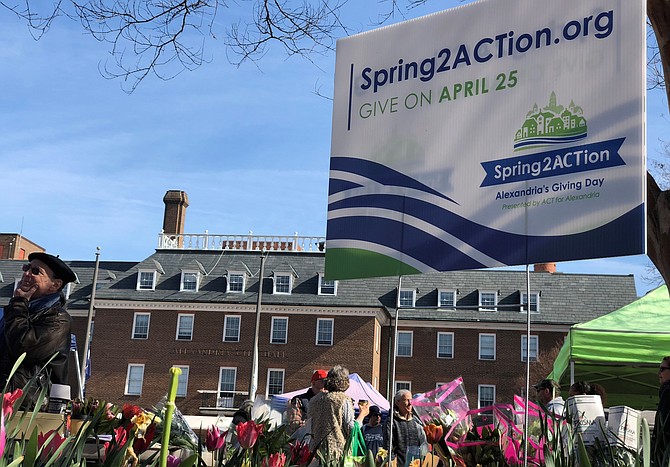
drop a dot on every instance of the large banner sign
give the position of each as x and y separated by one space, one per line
496 133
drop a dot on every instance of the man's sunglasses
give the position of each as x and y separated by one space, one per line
34 270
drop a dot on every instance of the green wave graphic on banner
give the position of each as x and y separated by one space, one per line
353 263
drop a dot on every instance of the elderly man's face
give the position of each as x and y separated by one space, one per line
39 277
404 404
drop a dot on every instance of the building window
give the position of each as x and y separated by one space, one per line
486 395
227 377
378 336
275 382
445 345
403 385
182 382
67 289
446 298
488 301
407 297
231 328
236 282
190 280
146 280
533 348
134 380
185 327
487 346
404 343
279 331
327 287
141 325
324 331
282 284
534 302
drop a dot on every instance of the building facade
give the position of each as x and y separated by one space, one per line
201 301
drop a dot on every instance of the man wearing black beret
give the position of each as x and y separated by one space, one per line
35 322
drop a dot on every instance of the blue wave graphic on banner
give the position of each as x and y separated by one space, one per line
545 141
376 172
431 237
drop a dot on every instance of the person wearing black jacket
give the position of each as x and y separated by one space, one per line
36 322
408 434
660 440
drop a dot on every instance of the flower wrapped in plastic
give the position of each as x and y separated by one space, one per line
446 405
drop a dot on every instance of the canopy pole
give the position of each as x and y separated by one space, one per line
572 372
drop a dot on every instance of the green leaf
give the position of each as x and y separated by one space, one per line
30 451
581 450
190 461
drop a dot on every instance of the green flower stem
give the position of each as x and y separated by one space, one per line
169 410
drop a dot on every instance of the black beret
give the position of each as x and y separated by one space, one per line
59 268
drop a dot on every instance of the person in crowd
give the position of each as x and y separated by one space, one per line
296 407
332 415
373 431
580 388
660 439
407 429
549 396
36 322
599 390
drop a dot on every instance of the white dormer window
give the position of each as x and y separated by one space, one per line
407 298
283 283
446 298
236 282
488 300
534 302
190 281
327 287
67 289
146 279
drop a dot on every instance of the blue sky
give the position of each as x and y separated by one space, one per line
87 165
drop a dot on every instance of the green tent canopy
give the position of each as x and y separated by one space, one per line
621 351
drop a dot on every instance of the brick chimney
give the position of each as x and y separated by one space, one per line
544 267
176 203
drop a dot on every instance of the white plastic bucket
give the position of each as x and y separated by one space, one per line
622 424
588 417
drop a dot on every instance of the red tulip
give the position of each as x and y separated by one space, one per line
248 433
8 401
434 433
215 439
142 443
300 453
278 459
54 443
129 411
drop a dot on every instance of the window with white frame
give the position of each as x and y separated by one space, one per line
236 282
486 395
141 325
324 331
533 348
275 382
487 346
407 297
282 283
182 382
403 385
534 302
134 379
185 327
446 298
227 379
488 300
445 345
146 279
404 348
67 289
327 287
231 328
279 330
378 336
190 281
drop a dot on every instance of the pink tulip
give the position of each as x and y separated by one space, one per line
173 461
278 459
300 453
3 435
248 433
215 439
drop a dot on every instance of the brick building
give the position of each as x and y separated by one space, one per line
16 246
193 304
